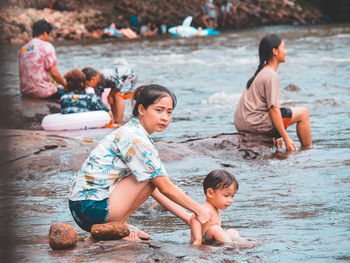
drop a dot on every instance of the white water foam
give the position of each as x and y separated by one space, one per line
336 60
222 99
343 36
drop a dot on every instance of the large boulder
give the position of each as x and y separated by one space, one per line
62 236
109 231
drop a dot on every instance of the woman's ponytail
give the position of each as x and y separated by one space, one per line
260 67
135 94
267 44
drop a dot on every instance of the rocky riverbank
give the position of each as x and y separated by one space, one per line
87 19
38 156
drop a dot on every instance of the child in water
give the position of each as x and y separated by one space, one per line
219 187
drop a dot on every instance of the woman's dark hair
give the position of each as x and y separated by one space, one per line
75 81
40 27
89 73
219 179
147 95
267 44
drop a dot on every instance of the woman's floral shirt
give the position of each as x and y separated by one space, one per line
127 150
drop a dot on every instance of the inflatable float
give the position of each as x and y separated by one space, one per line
75 121
186 30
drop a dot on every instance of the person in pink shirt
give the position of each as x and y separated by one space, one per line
38 65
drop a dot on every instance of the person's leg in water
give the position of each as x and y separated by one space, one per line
125 199
301 117
117 106
205 19
128 33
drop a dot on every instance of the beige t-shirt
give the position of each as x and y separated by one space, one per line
252 113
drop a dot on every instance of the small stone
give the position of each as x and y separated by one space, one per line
292 88
62 236
109 231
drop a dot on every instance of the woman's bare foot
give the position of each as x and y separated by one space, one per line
308 147
138 234
132 237
113 125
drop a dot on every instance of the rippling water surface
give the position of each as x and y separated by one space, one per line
297 208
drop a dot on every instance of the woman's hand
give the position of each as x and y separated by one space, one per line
290 145
202 216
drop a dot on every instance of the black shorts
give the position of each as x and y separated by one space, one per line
286 117
57 95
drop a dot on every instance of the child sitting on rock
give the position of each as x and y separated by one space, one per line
219 187
76 100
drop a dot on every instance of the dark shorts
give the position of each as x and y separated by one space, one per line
89 212
286 117
57 95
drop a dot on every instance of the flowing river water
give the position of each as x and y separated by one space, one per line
297 207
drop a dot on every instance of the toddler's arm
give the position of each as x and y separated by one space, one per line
196 231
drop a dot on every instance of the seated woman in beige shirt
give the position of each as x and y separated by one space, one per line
259 110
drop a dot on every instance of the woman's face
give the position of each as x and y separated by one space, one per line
94 80
157 116
281 53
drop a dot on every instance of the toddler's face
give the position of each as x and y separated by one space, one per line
224 197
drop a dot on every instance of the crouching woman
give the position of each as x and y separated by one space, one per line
124 169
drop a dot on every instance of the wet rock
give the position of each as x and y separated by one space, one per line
109 231
126 251
37 153
62 236
224 147
26 113
292 88
34 153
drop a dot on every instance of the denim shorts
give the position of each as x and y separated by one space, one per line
89 212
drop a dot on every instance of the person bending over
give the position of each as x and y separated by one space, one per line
118 81
76 100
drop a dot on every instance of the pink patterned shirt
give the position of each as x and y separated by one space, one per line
35 60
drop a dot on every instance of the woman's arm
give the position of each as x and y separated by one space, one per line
276 117
171 206
196 231
57 76
167 188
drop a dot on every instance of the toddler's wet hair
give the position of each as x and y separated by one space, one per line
219 179
75 80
